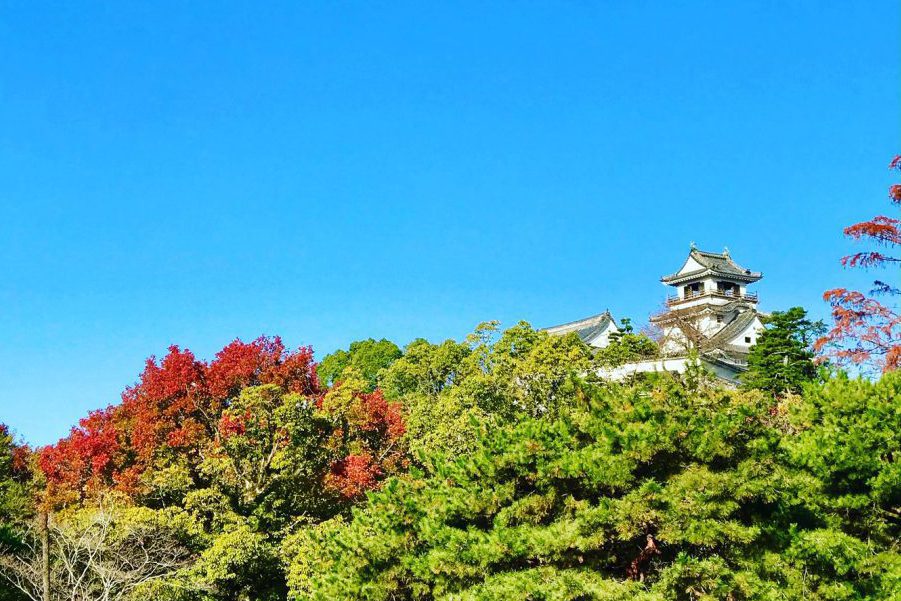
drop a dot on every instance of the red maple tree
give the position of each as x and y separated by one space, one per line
179 408
15 458
366 440
867 331
175 407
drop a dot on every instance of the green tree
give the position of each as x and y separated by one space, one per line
369 357
282 459
782 359
453 391
11 497
270 456
245 448
626 346
638 493
15 502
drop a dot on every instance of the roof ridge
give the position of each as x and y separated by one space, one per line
716 263
741 321
605 314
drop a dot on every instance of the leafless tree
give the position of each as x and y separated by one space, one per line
94 556
679 331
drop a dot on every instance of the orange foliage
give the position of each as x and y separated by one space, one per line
352 476
866 331
175 407
178 408
374 451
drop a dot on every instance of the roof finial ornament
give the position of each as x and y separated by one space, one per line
725 251
692 245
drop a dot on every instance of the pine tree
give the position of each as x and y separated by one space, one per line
626 346
782 360
645 493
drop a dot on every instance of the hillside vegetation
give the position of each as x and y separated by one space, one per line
493 468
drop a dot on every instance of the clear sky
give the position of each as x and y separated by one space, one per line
188 173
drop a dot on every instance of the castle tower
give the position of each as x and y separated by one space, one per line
712 311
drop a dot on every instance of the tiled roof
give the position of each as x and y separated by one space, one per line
714 264
733 328
738 304
723 359
586 328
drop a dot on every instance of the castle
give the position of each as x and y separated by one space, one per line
711 316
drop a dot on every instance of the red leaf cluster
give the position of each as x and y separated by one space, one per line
863 330
175 407
374 414
354 475
21 461
866 331
85 460
230 425
373 451
16 457
894 192
881 230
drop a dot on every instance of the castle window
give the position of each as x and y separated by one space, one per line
692 290
747 340
727 288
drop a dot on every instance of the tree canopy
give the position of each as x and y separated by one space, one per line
497 467
782 360
367 357
15 498
626 346
866 329
664 493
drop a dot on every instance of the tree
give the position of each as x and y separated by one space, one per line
782 359
107 553
170 417
247 446
15 483
367 437
453 390
626 346
866 331
16 499
638 493
270 453
368 357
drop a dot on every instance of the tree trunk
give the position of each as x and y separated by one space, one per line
636 568
45 553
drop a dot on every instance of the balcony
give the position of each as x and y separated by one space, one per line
678 300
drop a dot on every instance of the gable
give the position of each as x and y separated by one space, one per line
751 330
594 331
690 265
600 337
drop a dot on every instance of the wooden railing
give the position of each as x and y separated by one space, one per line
676 300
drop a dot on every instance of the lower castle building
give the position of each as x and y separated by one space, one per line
711 316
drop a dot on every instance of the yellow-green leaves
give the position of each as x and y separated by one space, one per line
743 497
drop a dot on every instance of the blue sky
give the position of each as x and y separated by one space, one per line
194 172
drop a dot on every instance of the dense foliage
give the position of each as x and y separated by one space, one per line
498 467
239 449
454 391
13 474
366 357
645 493
15 497
782 360
626 346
